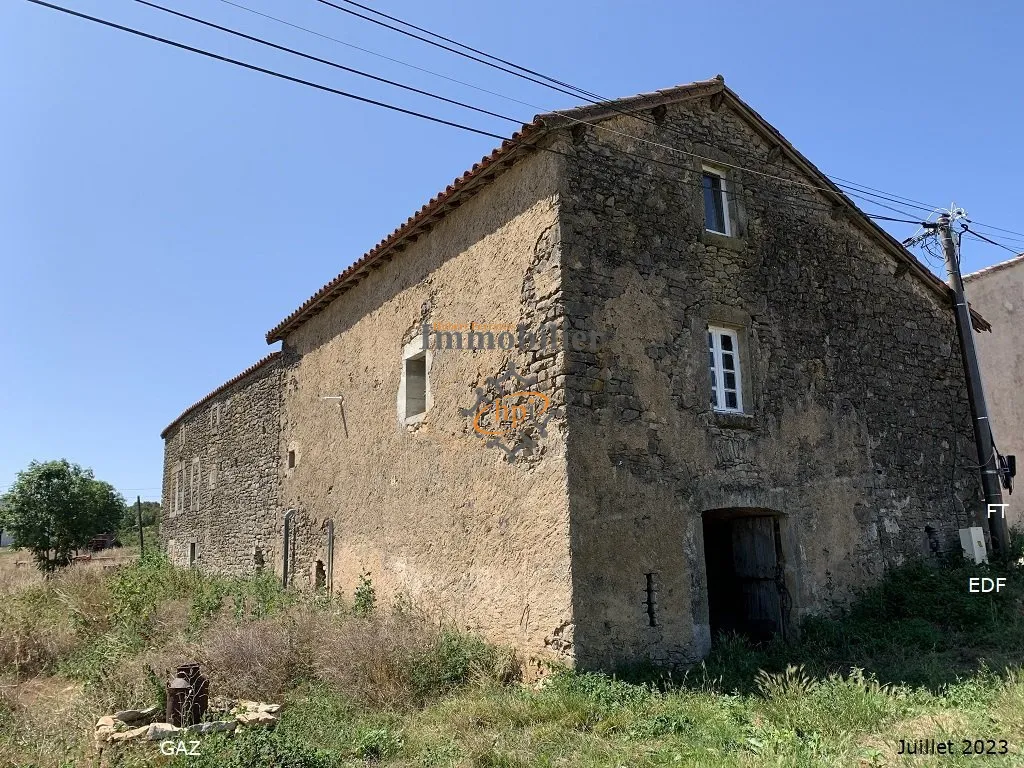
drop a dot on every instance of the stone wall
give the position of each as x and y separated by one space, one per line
427 509
998 294
222 457
856 429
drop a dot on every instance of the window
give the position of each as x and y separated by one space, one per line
215 416
179 488
291 459
416 385
193 553
716 202
193 486
414 397
726 388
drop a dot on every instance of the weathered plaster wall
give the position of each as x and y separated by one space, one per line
429 511
235 438
998 294
857 411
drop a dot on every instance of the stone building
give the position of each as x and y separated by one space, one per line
221 484
753 403
997 292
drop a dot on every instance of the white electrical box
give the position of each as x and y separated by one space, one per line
973 542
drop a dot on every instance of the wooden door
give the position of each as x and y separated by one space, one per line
754 561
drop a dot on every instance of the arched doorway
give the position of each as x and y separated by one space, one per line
745 568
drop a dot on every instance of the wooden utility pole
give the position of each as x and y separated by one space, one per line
976 394
138 511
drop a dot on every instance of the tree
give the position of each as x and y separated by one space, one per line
150 514
54 508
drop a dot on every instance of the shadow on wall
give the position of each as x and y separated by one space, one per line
919 626
510 195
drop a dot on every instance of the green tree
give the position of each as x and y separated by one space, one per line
150 514
55 507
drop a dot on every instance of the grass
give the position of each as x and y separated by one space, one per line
913 657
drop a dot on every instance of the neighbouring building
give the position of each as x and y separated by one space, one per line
755 402
997 293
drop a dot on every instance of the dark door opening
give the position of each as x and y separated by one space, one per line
320 577
743 557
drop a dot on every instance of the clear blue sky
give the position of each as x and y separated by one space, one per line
159 211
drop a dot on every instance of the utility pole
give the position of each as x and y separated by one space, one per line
976 395
138 512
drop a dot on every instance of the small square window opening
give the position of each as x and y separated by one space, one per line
716 202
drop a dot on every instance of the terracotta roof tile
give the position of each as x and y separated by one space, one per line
199 403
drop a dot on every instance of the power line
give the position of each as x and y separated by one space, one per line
319 86
380 55
898 198
593 98
859 193
446 47
476 50
999 229
265 71
328 62
889 218
993 242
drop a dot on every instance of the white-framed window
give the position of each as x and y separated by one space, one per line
414 396
193 486
716 201
726 384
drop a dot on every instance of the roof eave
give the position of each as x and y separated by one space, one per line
893 246
464 187
219 390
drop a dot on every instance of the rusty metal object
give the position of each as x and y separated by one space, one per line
199 691
178 691
188 696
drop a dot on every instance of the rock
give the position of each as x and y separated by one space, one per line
214 727
103 733
106 720
131 716
134 733
271 708
159 731
256 718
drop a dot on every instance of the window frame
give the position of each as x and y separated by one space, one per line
717 369
179 489
723 193
194 490
414 350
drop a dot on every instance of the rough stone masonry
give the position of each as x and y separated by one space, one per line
644 519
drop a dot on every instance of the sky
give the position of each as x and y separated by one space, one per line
160 210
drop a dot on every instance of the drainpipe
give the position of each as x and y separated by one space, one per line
288 516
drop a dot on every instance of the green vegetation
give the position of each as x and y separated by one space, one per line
914 657
54 508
